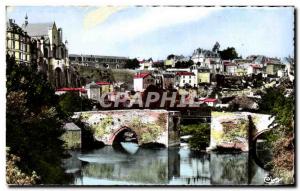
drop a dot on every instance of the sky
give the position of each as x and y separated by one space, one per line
156 32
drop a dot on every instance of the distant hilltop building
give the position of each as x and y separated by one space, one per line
98 61
42 44
208 58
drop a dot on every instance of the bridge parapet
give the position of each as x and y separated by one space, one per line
150 126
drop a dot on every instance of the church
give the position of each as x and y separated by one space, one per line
50 52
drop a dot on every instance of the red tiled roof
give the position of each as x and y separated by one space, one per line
141 75
255 66
185 74
210 100
103 83
229 64
71 89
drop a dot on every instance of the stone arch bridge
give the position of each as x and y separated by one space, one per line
142 126
238 130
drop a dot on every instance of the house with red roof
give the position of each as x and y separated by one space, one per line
142 80
184 78
212 102
254 69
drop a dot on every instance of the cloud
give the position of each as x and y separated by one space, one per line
135 24
99 15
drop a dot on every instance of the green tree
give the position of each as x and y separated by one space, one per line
71 102
132 64
34 123
275 102
228 54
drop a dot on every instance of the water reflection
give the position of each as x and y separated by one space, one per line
162 167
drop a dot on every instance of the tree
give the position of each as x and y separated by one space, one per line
34 123
216 47
184 64
228 54
171 56
282 138
132 64
71 102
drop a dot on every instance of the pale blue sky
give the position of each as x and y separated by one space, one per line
157 32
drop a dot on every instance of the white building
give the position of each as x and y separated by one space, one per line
183 78
230 68
142 80
93 91
146 64
254 69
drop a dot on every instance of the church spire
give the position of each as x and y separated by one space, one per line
26 20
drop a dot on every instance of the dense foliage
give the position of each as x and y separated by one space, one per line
14 176
34 123
71 102
184 64
200 135
228 53
132 64
277 102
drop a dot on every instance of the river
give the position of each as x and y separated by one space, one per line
181 166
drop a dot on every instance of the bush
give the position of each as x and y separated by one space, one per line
200 135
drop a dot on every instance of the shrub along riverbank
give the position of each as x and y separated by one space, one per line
200 135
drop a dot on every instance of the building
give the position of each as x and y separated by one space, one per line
18 43
230 67
142 80
254 69
51 53
98 61
242 66
272 68
146 64
185 78
105 87
203 75
71 136
173 59
207 58
93 91
212 102
168 80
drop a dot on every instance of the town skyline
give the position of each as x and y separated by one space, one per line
145 35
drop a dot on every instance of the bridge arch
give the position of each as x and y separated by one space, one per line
119 134
253 150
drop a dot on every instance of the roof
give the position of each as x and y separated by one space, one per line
71 127
168 75
229 64
256 66
142 75
96 56
185 74
103 83
210 100
38 29
71 89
